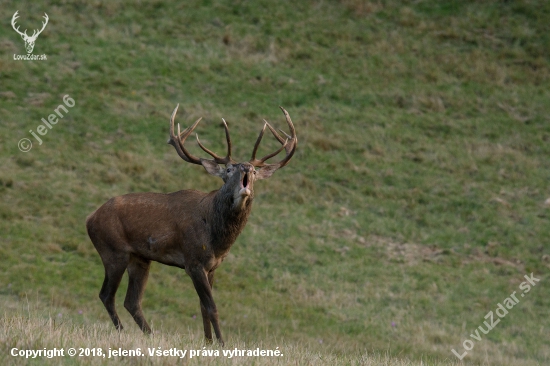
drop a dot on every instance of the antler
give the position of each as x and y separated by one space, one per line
13 21
179 140
289 145
218 159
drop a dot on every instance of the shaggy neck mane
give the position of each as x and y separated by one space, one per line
228 221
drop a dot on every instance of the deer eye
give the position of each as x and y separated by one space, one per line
228 170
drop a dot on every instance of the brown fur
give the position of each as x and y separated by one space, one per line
188 229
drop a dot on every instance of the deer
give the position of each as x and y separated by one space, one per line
29 40
188 229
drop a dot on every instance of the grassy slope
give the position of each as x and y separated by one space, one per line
416 197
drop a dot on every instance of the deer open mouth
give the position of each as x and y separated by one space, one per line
245 191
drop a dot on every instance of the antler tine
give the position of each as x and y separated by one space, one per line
292 147
286 134
218 159
261 161
289 145
256 145
178 141
227 138
292 131
277 136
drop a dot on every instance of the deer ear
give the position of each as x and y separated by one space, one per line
213 168
266 171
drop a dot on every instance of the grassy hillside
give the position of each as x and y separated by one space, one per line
417 200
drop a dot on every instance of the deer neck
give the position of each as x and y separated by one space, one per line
229 219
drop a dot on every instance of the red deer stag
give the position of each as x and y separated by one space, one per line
188 229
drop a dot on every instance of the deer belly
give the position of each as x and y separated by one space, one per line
159 249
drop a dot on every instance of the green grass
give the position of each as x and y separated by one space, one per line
416 197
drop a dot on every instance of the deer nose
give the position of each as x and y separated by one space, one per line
246 168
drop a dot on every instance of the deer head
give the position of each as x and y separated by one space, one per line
29 40
239 178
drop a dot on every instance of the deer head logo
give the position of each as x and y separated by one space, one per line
29 40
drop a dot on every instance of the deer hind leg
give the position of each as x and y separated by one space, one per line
204 290
138 271
115 265
205 317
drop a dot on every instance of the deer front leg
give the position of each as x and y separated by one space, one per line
202 284
205 318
